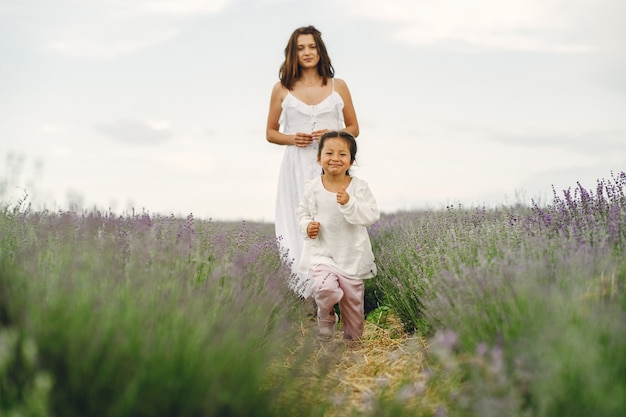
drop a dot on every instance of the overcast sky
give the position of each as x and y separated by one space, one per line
162 105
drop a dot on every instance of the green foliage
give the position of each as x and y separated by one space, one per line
24 386
524 309
414 248
144 316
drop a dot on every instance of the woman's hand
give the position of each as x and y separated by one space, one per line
317 134
302 140
313 229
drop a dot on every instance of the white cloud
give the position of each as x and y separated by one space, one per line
179 7
159 124
93 48
51 129
63 152
119 8
530 25
106 29
471 165
189 162
137 132
600 144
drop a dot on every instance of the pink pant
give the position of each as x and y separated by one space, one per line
329 288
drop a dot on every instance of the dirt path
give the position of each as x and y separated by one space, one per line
386 364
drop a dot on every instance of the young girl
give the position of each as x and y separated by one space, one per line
333 217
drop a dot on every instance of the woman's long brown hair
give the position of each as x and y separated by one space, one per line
290 70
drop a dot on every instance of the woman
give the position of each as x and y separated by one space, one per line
306 103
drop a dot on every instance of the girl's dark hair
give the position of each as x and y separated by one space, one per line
338 134
290 70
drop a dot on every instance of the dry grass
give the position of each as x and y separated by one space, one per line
387 365
386 369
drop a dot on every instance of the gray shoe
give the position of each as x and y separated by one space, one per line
326 327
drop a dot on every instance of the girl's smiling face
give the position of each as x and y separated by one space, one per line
335 157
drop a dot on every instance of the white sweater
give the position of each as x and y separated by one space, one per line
343 242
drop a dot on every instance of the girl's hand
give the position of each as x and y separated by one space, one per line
313 229
302 140
342 196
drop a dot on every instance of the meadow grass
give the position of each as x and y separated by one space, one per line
525 305
142 316
508 311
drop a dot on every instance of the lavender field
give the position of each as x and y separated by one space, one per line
509 311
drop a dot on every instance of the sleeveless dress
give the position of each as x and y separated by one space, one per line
298 166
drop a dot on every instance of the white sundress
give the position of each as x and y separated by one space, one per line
298 166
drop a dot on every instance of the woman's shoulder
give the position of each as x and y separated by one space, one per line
340 84
279 90
341 88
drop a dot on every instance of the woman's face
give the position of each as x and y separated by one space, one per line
308 56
